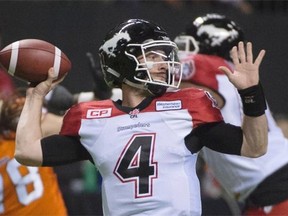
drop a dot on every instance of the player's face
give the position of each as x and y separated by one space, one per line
155 61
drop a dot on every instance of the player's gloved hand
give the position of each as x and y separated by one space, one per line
101 90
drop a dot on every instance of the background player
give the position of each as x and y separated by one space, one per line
260 184
25 190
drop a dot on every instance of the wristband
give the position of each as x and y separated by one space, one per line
253 99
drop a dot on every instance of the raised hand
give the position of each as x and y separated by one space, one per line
246 72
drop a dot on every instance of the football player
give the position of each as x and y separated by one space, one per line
260 184
146 145
25 190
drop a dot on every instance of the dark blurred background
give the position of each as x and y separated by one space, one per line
78 27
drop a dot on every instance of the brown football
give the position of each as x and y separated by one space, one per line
30 60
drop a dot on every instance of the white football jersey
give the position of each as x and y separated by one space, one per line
238 175
141 154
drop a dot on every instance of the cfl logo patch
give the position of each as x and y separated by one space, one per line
98 113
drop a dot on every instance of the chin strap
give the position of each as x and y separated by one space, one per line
153 89
156 90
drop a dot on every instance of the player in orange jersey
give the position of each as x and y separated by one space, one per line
25 190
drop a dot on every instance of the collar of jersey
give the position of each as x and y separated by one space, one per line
145 103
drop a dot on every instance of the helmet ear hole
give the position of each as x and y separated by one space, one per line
141 75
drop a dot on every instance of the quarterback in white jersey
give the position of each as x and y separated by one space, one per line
145 146
141 153
256 182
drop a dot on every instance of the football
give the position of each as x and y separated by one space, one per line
30 59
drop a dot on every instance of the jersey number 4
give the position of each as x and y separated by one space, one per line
136 164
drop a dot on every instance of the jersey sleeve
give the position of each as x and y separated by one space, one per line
220 137
67 141
209 128
203 108
54 146
72 121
